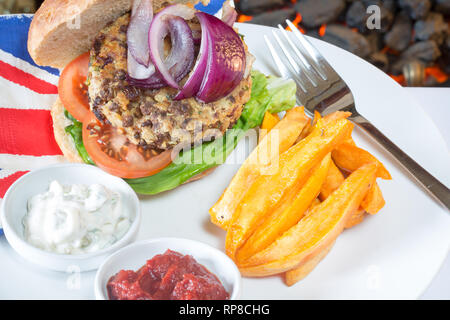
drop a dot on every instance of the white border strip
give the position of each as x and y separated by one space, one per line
26 163
14 96
29 68
5 173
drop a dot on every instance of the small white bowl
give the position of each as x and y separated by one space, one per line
14 208
135 256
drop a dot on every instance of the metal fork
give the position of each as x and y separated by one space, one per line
320 88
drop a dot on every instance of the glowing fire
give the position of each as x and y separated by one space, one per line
296 23
390 51
436 73
433 71
244 18
322 30
400 79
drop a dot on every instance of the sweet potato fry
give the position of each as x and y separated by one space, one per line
315 203
372 203
356 218
290 210
338 115
306 130
349 157
309 127
351 141
270 121
374 200
314 232
293 276
293 169
333 180
284 134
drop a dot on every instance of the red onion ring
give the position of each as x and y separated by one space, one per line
221 63
137 34
197 35
155 81
138 71
226 62
181 58
178 62
194 81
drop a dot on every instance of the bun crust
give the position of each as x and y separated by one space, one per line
201 175
64 140
61 30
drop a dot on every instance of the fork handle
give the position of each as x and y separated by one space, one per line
435 188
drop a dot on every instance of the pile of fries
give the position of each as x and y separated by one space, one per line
304 183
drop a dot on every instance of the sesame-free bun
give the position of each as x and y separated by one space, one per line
64 140
61 30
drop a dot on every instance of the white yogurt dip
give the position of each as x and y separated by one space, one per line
75 219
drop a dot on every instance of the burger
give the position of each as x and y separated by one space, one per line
144 84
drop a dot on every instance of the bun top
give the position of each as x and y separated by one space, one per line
61 30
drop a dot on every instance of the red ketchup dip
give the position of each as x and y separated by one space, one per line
168 276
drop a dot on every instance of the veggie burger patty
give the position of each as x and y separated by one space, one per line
150 118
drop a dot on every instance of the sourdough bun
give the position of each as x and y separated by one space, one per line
201 175
61 30
64 140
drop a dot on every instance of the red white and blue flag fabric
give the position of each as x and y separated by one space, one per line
27 92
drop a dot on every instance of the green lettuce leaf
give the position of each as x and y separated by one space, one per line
268 94
282 94
75 131
185 167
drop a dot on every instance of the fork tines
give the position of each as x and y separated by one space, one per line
304 64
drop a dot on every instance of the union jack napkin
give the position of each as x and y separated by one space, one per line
27 92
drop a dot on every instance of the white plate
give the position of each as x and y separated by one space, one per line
394 254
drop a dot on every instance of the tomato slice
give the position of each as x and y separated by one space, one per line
72 87
114 153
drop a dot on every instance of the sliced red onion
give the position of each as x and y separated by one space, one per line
181 57
226 59
194 82
155 81
197 35
137 34
138 71
229 14
180 60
